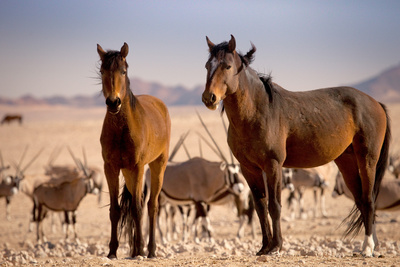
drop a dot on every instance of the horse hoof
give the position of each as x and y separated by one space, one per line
151 255
263 251
112 256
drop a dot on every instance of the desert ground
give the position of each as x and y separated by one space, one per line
307 242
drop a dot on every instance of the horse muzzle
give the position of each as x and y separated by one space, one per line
210 100
113 105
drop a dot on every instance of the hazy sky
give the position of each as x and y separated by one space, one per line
49 47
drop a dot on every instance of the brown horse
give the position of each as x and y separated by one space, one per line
8 118
136 131
270 127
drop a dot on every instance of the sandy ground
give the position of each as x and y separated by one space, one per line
307 242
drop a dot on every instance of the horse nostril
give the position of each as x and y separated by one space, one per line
213 98
113 103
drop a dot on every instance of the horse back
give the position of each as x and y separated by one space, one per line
323 123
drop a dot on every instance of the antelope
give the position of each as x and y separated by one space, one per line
389 192
315 178
8 186
394 165
204 183
54 177
64 197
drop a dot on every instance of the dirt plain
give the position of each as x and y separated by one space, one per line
307 242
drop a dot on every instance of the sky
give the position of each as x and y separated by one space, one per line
48 48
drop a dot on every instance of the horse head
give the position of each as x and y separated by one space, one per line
223 67
114 76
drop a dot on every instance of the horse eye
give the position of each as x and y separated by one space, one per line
123 72
228 67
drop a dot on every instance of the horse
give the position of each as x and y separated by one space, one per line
136 131
8 118
271 128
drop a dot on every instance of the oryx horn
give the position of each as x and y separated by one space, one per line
212 138
178 145
211 146
32 160
226 131
54 155
75 159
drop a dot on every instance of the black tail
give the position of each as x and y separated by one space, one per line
355 219
126 221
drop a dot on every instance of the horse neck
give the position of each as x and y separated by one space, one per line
249 97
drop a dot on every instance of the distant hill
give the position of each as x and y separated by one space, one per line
171 95
384 87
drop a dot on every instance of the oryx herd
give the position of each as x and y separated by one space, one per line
60 188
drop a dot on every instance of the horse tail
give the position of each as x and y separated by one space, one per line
355 218
384 156
126 221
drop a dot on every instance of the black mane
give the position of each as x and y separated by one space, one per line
219 51
267 81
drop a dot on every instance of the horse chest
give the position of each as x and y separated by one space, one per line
120 147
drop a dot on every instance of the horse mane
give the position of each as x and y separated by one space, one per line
266 79
219 51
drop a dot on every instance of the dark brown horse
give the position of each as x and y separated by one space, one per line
270 127
8 118
136 131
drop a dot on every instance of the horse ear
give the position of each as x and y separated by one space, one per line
101 52
124 50
210 44
232 44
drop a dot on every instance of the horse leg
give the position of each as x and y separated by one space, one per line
134 183
163 240
256 183
157 169
111 174
348 166
274 180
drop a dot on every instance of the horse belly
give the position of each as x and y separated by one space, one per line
316 150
